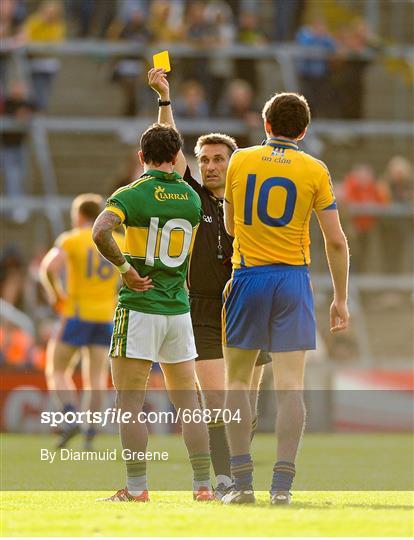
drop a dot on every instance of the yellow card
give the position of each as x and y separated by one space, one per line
162 60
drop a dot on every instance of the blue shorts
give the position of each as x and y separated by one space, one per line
79 333
269 308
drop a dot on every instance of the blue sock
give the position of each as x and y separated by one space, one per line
68 407
91 432
242 471
283 475
67 426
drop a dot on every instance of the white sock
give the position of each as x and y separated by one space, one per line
223 479
197 484
136 484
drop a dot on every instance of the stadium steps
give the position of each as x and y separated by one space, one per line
343 153
342 12
82 88
27 236
382 77
381 89
388 327
84 163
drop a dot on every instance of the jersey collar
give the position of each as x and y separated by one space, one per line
211 195
275 142
161 175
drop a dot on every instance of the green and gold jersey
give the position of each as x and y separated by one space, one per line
161 214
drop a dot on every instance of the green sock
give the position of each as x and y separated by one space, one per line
201 469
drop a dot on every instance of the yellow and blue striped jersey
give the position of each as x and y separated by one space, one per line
92 282
273 189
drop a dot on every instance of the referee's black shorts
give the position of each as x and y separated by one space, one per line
206 317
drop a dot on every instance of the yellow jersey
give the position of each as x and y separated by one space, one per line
92 282
273 189
39 30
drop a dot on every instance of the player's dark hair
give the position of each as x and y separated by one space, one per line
88 205
215 138
288 114
160 144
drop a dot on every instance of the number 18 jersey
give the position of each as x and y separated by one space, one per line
161 214
92 282
273 189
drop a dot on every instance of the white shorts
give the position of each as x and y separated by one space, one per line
160 338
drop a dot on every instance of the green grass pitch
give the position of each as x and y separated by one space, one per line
173 513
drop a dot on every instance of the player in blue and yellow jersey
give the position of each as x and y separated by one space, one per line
271 192
86 304
209 270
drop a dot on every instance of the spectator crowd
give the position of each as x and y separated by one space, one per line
332 83
212 86
218 86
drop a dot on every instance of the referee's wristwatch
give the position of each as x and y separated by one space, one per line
162 103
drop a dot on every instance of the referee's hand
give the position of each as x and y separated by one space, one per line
135 282
157 79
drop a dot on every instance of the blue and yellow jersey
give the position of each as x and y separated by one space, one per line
273 189
92 282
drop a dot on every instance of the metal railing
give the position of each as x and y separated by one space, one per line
127 130
347 128
274 50
16 317
285 55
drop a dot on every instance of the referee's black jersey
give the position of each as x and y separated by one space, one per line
210 264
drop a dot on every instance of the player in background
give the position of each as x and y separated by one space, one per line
209 271
86 304
271 191
161 214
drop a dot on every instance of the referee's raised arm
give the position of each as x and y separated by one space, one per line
157 79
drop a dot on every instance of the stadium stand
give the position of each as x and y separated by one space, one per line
82 137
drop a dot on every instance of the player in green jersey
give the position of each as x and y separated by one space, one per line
161 214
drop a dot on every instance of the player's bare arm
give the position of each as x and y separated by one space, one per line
229 217
103 228
337 253
157 79
51 269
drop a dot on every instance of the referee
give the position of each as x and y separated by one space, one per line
209 271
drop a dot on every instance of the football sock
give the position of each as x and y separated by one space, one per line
242 471
67 426
223 479
283 475
136 477
219 449
68 407
201 470
254 426
90 432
